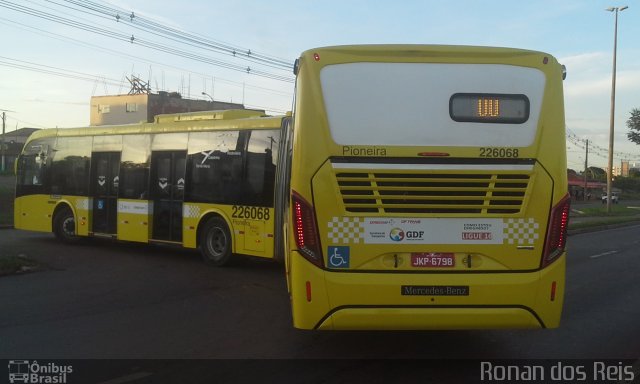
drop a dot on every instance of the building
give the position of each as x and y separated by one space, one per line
136 108
617 171
579 189
12 143
625 168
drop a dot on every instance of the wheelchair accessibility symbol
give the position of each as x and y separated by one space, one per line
338 257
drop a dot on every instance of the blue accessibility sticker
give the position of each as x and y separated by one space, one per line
338 257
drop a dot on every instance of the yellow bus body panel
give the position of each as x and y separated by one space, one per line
33 213
348 301
135 220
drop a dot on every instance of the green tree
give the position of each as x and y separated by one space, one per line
627 183
634 126
597 174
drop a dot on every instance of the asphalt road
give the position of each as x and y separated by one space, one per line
121 301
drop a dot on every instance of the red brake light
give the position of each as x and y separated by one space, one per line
556 232
305 230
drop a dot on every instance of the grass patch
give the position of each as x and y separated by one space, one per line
15 264
602 222
616 210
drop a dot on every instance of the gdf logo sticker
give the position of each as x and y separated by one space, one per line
396 234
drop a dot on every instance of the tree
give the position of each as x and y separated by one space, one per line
634 126
597 174
627 183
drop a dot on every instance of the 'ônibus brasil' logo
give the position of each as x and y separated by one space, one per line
396 234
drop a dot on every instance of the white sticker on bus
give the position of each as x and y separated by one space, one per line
141 207
357 230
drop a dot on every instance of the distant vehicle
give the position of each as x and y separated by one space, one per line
614 198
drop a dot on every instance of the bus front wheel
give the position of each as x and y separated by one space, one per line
215 242
64 226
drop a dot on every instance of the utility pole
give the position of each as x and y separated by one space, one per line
613 105
586 168
2 151
4 117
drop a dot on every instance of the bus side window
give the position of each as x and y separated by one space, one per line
70 166
33 168
214 164
261 166
134 167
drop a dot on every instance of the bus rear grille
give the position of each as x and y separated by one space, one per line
439 193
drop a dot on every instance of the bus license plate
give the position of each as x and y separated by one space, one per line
432 260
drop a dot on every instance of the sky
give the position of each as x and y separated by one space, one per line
51 65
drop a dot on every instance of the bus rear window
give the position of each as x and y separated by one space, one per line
401 104
489 108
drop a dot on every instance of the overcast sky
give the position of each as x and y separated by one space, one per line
49 70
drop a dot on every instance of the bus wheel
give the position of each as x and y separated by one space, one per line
64 226
215 242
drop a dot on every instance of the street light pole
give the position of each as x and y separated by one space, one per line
613 104
4 117
206 94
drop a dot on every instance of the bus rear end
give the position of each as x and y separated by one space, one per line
428 189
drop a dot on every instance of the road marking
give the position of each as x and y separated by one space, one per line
127 378
603 254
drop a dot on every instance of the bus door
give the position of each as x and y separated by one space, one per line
167 192
104 191
282 192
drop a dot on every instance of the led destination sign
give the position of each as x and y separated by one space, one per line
489 108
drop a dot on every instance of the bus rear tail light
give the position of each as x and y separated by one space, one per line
305 230
556 232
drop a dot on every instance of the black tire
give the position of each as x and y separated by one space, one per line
64 226
215 242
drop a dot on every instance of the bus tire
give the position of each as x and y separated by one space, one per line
64 226
215 242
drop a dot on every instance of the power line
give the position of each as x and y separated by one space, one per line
49 70
56 36
596 149
151 26
142 42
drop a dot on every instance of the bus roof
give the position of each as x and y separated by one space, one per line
178 122
401 49
426 53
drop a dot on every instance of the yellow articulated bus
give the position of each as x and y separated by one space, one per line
200 180
428 189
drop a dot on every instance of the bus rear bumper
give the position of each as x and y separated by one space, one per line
336 300
429 318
